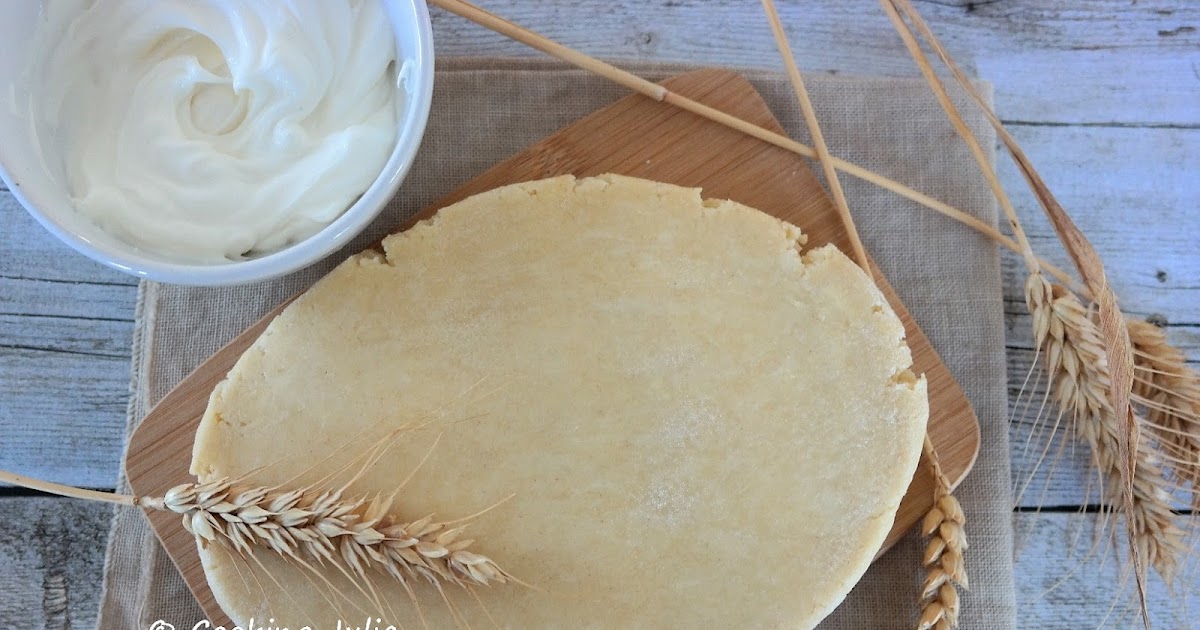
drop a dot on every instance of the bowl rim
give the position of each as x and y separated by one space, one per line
351 222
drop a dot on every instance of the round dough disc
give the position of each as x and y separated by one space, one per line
697 424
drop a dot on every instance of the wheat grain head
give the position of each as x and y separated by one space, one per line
356 534
1066 334
943 561
1170 392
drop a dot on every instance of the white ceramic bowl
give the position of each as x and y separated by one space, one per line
45 198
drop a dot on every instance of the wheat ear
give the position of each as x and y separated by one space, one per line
353 533
328 527
945 569
1066 334
1170 392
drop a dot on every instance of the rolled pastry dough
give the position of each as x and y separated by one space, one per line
700 427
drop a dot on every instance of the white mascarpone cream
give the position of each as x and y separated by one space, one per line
215 130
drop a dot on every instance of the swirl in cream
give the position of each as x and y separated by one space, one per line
215 130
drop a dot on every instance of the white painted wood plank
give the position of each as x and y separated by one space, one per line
28 251
67 299
105 338
52 551
63 392
1063 585
65 329
1103 61
62 416
66 325
1133 192
1118 85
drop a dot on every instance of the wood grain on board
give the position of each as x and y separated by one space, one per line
635 136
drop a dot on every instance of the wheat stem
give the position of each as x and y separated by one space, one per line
964 132
818 137
65 491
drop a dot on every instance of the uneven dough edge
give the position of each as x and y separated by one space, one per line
883 522
912 398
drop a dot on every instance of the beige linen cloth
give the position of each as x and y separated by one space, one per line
485 111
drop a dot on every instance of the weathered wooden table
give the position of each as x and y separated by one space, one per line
1104 95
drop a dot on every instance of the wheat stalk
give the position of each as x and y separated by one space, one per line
818 137
945 569
1065 331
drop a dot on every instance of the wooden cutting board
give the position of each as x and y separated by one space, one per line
634 136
